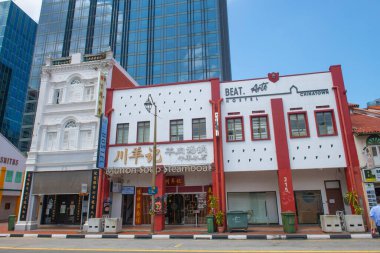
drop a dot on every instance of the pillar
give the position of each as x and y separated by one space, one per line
2 180
352 171
159 219
285 181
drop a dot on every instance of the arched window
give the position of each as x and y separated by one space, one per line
373 140
70 135
75 81
373 145
70 124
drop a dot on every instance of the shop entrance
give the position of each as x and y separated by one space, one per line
186 209
334 196
128 201
61 209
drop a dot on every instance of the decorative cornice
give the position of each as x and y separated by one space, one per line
96 65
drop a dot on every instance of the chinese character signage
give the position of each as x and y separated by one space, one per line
102 142
166 155
175 180
26 195
139 203
93 193
100 94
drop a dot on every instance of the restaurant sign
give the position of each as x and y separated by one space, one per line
179 154
165 168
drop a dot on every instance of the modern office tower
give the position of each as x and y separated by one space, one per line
156 41
17 37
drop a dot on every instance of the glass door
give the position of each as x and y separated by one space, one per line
175 209
261 206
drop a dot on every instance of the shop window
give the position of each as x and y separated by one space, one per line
260 127
325 123
7 206
199 129
18 177
235 129
9 176
298 125
143 131
176 130
122 132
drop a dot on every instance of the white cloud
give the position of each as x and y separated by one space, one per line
31 7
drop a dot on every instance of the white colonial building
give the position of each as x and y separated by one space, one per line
61 180
265 146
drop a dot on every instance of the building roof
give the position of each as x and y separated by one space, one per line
364 124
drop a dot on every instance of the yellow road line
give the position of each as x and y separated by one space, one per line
190 251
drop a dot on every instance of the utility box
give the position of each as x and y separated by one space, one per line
112 225
237 220
210 224
11 222
95 225
354 223
330 223
289 222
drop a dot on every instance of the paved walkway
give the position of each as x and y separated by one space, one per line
173 230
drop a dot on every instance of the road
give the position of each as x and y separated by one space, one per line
17 245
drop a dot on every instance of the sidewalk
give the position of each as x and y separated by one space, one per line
272 232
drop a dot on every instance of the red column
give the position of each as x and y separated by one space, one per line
218 174
285 181
353 173
159 219
99 203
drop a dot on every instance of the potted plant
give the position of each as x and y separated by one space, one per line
352 199
219 218
354 222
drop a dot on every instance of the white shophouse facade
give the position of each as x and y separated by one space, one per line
62 159
272 144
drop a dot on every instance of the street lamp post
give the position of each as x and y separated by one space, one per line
148 106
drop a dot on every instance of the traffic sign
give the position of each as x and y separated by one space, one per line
152 191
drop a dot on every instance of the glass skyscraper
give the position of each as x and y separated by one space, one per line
156 41
17 37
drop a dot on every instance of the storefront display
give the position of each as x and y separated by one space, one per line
63 209
260 206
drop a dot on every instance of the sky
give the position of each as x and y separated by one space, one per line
301 36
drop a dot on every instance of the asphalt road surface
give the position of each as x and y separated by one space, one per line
41 245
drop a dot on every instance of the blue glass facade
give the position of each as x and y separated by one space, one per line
156 41
17 37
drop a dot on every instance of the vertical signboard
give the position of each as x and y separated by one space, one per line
100 94
102 142
25 197
138 209
94 193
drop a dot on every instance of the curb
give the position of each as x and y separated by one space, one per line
198 237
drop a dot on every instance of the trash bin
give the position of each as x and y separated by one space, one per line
11 222
237 220
289 222
210 224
